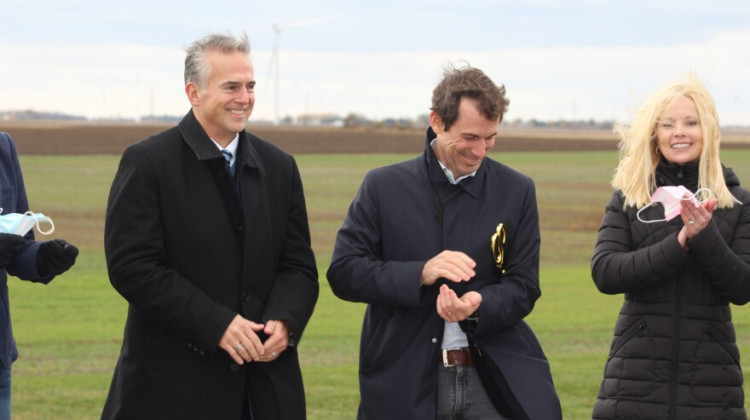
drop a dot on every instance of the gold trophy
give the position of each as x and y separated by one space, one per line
497 243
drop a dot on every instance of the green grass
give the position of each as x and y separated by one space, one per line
69 332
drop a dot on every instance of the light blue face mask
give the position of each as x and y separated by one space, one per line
21 224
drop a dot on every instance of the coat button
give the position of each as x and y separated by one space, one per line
434 340
245 296
234 367
238 226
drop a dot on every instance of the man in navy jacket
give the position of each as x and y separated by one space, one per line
23 257
443 334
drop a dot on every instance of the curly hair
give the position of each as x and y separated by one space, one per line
467 82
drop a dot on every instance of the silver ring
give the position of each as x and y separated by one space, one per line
239 347
691 221
273 354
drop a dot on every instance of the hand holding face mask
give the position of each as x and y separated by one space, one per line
22 223
671 197
9 243
54 257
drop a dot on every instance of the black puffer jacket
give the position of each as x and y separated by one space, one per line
673 355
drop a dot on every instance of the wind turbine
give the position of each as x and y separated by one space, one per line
274 65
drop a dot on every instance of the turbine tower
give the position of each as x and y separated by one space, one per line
274 65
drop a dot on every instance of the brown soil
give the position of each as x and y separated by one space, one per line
48 137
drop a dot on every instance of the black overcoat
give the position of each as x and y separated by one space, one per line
188 255
394 225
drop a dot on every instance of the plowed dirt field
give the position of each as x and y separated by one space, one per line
46 137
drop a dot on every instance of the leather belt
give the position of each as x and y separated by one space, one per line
457 357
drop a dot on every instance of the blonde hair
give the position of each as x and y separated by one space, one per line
635 174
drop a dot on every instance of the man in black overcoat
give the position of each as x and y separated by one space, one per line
207 239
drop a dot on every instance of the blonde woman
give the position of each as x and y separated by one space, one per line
679 262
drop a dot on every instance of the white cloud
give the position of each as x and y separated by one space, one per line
544 82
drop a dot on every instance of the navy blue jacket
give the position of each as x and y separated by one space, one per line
23 263
391 230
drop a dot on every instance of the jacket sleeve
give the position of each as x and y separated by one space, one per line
617 268
134 248
295 286
511 298
726 265
358 271
23 264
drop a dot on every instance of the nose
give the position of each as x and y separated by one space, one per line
479 150
243 96
483 147
679 130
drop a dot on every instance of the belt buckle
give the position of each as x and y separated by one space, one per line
445 356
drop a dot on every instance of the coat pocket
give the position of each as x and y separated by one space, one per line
716 375
721 339
630 366
634 330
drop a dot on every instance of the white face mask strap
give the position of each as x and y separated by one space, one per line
638 215
39 228
698 191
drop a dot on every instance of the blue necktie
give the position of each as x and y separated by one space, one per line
228 156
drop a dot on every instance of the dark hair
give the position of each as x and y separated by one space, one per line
196 65
467 82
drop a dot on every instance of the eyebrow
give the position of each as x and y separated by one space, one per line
235 83
473 134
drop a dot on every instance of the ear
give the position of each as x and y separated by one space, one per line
193 93
436 122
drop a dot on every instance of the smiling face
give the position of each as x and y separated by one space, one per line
465 144
678 132
224 104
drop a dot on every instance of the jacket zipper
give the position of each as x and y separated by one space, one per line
625 338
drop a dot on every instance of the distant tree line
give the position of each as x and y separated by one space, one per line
351 120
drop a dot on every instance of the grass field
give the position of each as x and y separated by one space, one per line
69 332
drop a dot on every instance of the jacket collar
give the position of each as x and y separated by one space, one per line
668 173
472 185
199 142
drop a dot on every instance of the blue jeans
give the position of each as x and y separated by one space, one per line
4 393
461 395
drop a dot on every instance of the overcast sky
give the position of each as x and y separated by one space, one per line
575 59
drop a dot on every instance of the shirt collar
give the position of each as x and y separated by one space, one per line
231 147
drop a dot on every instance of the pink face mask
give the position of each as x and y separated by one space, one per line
670 197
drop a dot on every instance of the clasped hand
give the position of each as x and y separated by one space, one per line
243 344
453 266
695 219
